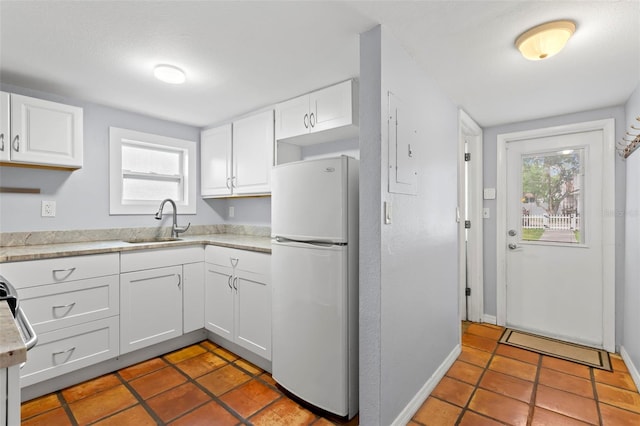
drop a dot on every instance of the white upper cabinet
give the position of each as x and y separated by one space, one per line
40 133
236 159
320 116
215 161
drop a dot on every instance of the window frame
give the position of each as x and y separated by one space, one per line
119 137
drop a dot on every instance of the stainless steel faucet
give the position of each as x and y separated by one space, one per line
175 230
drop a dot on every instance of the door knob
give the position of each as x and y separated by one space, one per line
513 246
512 232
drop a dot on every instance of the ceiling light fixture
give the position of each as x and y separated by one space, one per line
545 40
169 74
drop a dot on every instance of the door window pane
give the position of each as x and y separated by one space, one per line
552 196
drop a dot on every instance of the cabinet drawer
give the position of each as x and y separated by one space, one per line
61 351
250 261
47 271
158 258
55 306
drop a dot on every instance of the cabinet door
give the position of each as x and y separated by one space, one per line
253 154
150 307
292 117
218 294
331 107
45 132
253 313
215 161
193 297
5 133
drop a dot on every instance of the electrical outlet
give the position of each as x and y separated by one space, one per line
48 209
232 211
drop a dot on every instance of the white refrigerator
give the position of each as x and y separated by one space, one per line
314 222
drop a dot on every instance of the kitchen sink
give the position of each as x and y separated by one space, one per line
152 240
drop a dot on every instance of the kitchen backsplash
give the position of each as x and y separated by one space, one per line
11 239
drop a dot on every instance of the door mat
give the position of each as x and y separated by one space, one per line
596 358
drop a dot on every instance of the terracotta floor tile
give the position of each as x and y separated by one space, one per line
484 331
499 407
618 397
142 368
542 417
268 378
465 372
223 379
209 345
157 382
211 414
453 391
201 364
566 367
55 417
567 404
507 385
283 412
135 415
90 387
512 367
249 398
519 354
479 342
566 382
474 356
613 416
39 405
618 363
185 353
248 367
436 412
469 418
177 401
616 378
229 356
103 404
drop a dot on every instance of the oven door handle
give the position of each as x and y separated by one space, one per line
26 326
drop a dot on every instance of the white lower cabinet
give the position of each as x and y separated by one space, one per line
150 307
70 348
238 297
157 289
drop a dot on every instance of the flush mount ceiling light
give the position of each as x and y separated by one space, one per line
169 74
544 41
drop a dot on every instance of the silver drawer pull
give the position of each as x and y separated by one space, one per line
234 261
68 308
69 352
60 271
229 282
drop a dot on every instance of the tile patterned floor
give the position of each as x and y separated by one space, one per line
489 384
495 384
202 384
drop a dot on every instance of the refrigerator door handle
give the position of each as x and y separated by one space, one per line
313 243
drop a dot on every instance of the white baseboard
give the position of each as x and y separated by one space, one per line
416 402
633 370
489 319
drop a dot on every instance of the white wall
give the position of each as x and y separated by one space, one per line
631 336
490 171
408 269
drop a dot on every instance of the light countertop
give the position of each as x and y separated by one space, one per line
45 251
12 348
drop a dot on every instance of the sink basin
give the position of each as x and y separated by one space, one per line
152 240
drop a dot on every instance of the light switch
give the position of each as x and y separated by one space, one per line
387 213
489 193
232 211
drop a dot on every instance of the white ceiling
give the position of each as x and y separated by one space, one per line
240 56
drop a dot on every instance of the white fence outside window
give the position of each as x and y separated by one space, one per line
551 222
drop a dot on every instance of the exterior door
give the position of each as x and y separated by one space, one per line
557 280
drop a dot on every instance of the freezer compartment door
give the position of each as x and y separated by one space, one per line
310 350
309 200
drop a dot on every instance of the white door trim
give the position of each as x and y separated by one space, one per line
608 217
469 130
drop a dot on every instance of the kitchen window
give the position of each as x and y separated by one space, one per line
145 169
